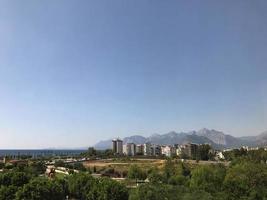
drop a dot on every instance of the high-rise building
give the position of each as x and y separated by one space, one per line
147 149
139 149
168 150
114 146
155 150
179 150
117 146
4 160
190 150
129 149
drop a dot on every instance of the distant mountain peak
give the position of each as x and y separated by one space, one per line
216 138
203 130
155 135
172 134
262 137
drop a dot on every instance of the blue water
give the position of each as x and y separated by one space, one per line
40 152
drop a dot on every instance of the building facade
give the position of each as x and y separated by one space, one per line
117 146
147 149
168 151
155 150
129 149
190 150
139 149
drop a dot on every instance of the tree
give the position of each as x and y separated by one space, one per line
169 169
9 166
2 165
207 178
20 167
91 151
40 189
108 152
14 178
182 169
8 192
157 192
149 192
60 163
94 169
175 172
37 168
235 153
79 185
246 180
19 179
203 152
79 166
63 183
197 195
178 180
136 172
107 189
154 176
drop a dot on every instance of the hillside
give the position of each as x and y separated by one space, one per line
215 138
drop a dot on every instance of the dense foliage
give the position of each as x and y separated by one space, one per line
27 182
245 178
247 181
93 153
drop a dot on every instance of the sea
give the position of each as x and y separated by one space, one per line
40 152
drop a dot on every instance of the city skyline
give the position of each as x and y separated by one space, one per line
73 73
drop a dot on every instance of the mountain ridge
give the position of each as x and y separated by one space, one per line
217 139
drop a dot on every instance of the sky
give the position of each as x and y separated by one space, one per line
76 72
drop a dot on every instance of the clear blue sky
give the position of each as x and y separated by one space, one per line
75 72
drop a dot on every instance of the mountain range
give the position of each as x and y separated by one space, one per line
216 139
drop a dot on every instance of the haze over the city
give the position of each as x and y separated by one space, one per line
76 72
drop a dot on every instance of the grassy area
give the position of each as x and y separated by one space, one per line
121 165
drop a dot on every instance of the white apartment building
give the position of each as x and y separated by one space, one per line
147 149
129 149
168 151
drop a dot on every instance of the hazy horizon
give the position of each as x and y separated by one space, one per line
73 73
114 137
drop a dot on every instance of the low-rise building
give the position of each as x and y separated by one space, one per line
219 156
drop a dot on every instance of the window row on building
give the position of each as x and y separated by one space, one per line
148 149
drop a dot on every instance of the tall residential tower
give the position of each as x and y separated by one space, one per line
117 146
